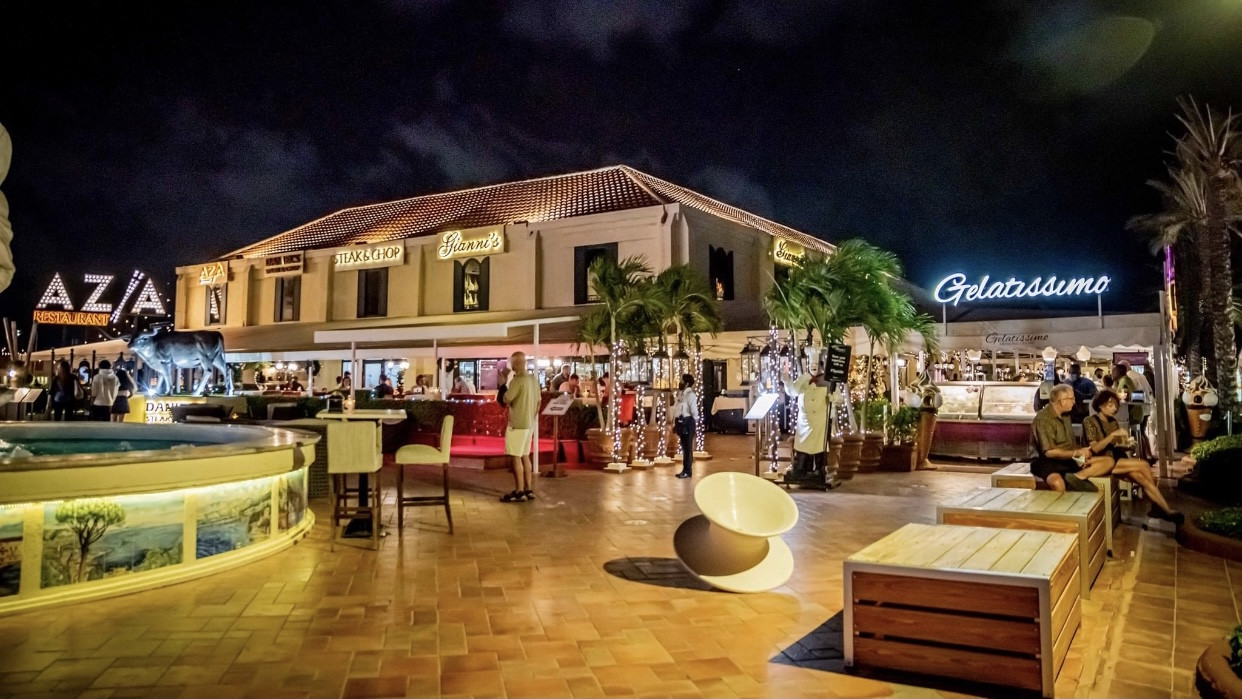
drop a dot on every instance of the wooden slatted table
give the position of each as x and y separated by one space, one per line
1041 510
1019 476
974 603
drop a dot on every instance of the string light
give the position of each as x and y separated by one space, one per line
640 440
56 295
659 403
698 382
616 403
771 365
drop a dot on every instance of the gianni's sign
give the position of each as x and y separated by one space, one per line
954 288
454 244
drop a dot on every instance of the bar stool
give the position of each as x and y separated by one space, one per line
352 449
423 454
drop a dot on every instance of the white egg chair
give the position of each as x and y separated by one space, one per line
735 545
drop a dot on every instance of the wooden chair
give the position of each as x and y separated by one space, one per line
423 454
353 450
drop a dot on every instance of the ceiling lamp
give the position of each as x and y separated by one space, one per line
1049 354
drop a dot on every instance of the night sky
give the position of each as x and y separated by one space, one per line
985 137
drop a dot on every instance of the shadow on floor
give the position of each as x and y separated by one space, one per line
824 649
663 572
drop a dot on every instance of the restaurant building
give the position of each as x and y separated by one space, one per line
475 274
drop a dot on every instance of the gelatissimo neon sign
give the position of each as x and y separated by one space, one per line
954 289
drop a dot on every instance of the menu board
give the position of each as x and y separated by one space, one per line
838 363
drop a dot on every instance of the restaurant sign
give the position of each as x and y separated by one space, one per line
287 265
140 298
213 273
788 253
384 255
1015 339
954 289
94 320
456 244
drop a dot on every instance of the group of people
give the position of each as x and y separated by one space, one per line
108 393
1065 465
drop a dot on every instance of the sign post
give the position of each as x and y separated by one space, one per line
557 407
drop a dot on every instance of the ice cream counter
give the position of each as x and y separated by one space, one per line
985 420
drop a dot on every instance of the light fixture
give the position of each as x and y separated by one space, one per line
661 371
640 365
293 366
1083 354
681 366
405 364
280 366
750 362
974 355
901 362
1049 354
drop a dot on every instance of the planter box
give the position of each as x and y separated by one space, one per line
898 457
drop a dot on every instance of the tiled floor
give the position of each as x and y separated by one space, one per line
574 595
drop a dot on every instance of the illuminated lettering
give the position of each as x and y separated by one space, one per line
452 244
101 282
954 288
365 258
213 273
56 295
788 253
148 300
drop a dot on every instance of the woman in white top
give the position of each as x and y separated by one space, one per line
685 418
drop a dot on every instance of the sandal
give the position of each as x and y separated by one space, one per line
513 496
530 494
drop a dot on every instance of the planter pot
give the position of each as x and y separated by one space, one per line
1213 677
927 428
651 443
1198 424
1196 539
898 457
851 456
872 446
571 452
598 446
835 445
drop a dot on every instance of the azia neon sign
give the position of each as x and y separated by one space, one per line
954 289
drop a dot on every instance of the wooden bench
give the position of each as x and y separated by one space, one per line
987 605
1042 510
1019 476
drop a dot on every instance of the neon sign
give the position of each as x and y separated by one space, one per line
213 273
452 244
96 312
954 289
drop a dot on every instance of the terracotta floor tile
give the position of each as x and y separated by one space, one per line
482 683
373 687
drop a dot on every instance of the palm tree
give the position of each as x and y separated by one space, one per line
594 332
1204 204
626 293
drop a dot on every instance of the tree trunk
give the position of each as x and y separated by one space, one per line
82 551
1217 249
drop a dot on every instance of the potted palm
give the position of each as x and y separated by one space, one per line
899 454
626 293
687 308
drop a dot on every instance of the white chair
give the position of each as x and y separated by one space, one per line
423 454
353 450
735 544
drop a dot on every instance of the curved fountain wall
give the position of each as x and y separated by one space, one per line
83 526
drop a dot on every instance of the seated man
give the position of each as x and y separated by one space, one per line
1058 459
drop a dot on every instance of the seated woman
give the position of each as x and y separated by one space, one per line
1106 437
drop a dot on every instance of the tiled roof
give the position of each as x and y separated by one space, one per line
613 188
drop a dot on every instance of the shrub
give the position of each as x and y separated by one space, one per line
1205 450
1218 468
903 427
1235 647
874 410
1226 522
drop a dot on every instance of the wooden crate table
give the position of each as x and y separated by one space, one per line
974 603
1019 476
1041 510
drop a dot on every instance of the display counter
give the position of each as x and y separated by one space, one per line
985 420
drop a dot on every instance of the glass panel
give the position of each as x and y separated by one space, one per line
961 401
1009 401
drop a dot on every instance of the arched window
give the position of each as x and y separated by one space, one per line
471 285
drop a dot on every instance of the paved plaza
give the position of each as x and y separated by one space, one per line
579 594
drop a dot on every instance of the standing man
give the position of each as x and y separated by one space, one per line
811 429
562 377
522 397
1084 391
1059 460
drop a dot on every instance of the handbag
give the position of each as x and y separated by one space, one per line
683 426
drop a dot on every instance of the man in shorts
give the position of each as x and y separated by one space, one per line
522 397
1059 460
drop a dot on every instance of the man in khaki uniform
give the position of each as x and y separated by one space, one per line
522 397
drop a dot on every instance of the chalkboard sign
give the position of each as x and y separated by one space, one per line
838 363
